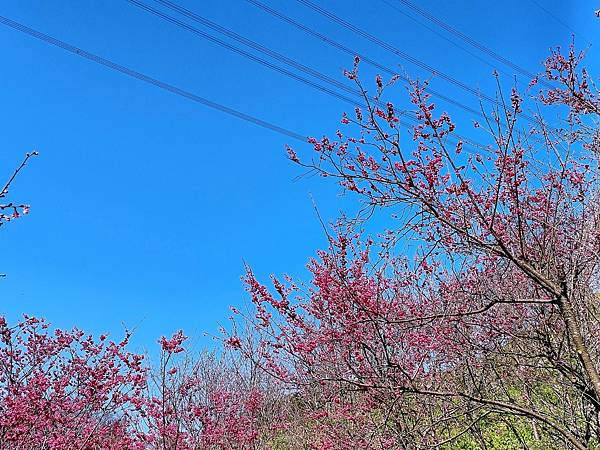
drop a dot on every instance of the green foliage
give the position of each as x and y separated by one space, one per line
503 433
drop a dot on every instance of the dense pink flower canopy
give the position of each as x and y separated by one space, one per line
64 390
501 271
485 315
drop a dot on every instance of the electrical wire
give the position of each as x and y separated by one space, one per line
441 35
147 79
241 52
255 45
468 39
404 55
413 60
278 56
161 84
351 52
554 16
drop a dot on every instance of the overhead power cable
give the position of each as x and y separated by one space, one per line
581 35
405 56
244 53
254 45
280 57
264 62
260 48
351 52
147 79
383 44
391 4
469 40
163 85
554 16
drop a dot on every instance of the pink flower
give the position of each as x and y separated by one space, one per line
174 344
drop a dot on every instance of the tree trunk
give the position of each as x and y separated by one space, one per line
566 308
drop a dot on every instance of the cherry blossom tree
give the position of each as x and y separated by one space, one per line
472 322
207 401
65 390
488 320
10 211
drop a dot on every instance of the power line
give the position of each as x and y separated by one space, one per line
254 45
386 69
353 53
417 62
447 39
163 85
153 81
262 61
241 52
405 55
468 39
554 16
280 57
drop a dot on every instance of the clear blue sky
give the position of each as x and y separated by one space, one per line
144 204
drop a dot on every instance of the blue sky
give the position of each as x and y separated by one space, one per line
144 204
